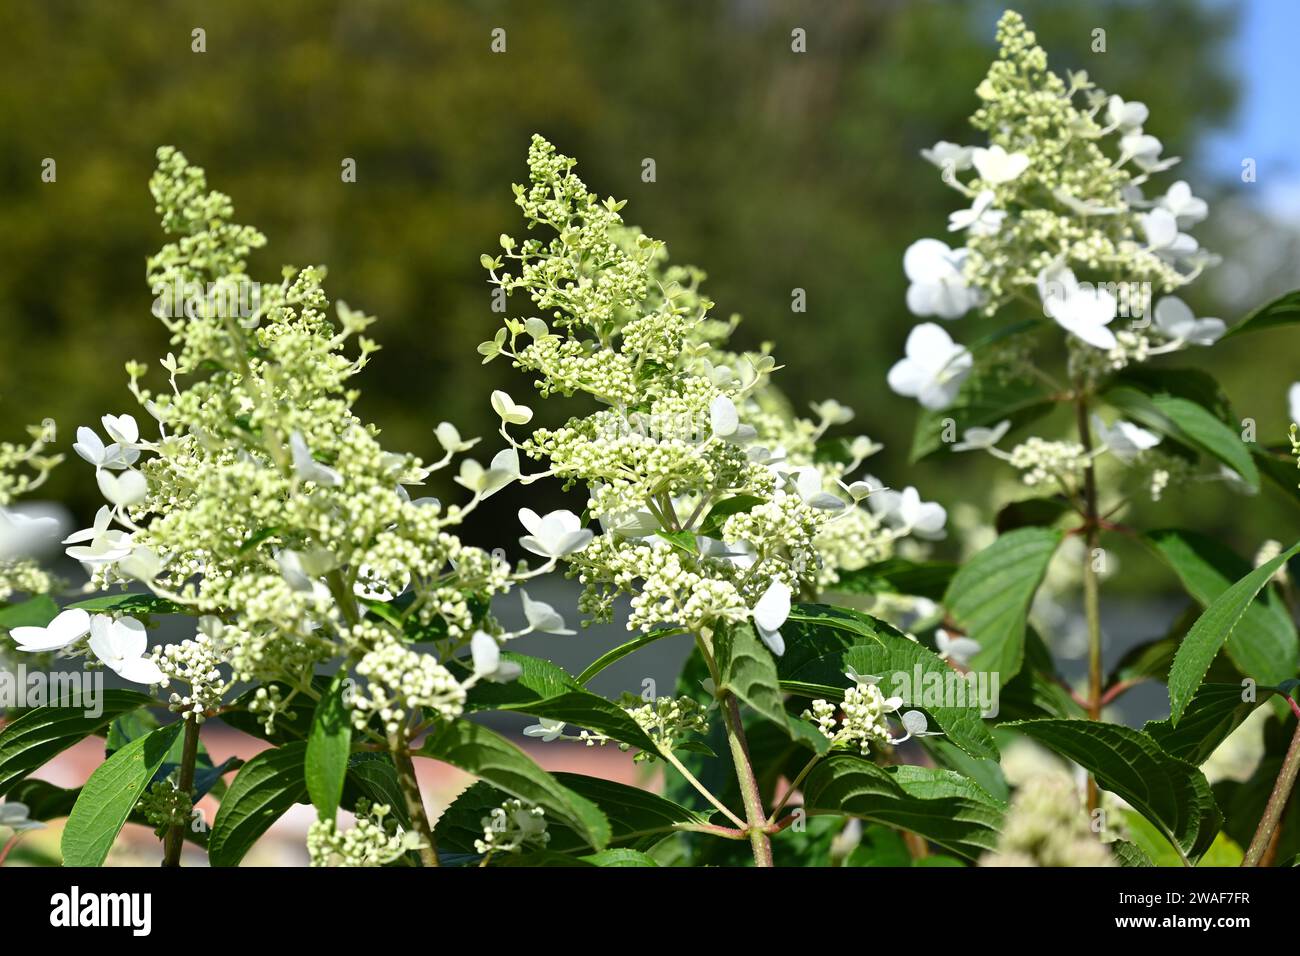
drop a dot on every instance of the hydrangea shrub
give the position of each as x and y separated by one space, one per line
850 699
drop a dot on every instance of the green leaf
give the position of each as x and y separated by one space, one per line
1032 512
328 747
1280 468
44 801
1192 384
623 650
927 579
619 857
990 596
1169 792
1129 854
944 807
880 846
711 526
823 642
1214 713
1212 628
265 787
1150 845
490 757
1281 311
538 679
34 738
681 540
110 795
1263 645
747 669
638 819
984 771
544 689
593 712
34 612
134 604
373 776
1187 422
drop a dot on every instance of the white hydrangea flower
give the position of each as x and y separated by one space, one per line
955 647
933 368
979 439
509 412
996 166
556 535
1084 312
67 629
905 510
938 285
107 544
121 644
485 652
1175 319
770 614
1186 209
542 616
1124 440
982 219
948 155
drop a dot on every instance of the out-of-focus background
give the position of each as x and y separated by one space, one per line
775 170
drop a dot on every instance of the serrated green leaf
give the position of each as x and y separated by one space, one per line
681 540
109 796
134 604
34 738
823 642
747 669
544 689
265 787
623 650
619 856
711 526
1169 792
1283 310
1187 422
44 801
1214 713
490 757
927 579
329 745
944 807
1263 644
638 819
373 776
1129 854
1212 628
991 594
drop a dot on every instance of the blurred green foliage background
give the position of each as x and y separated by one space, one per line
775 171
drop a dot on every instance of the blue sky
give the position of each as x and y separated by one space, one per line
1267 126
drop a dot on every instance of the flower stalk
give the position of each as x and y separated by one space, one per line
174 841
414 801
1277 801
